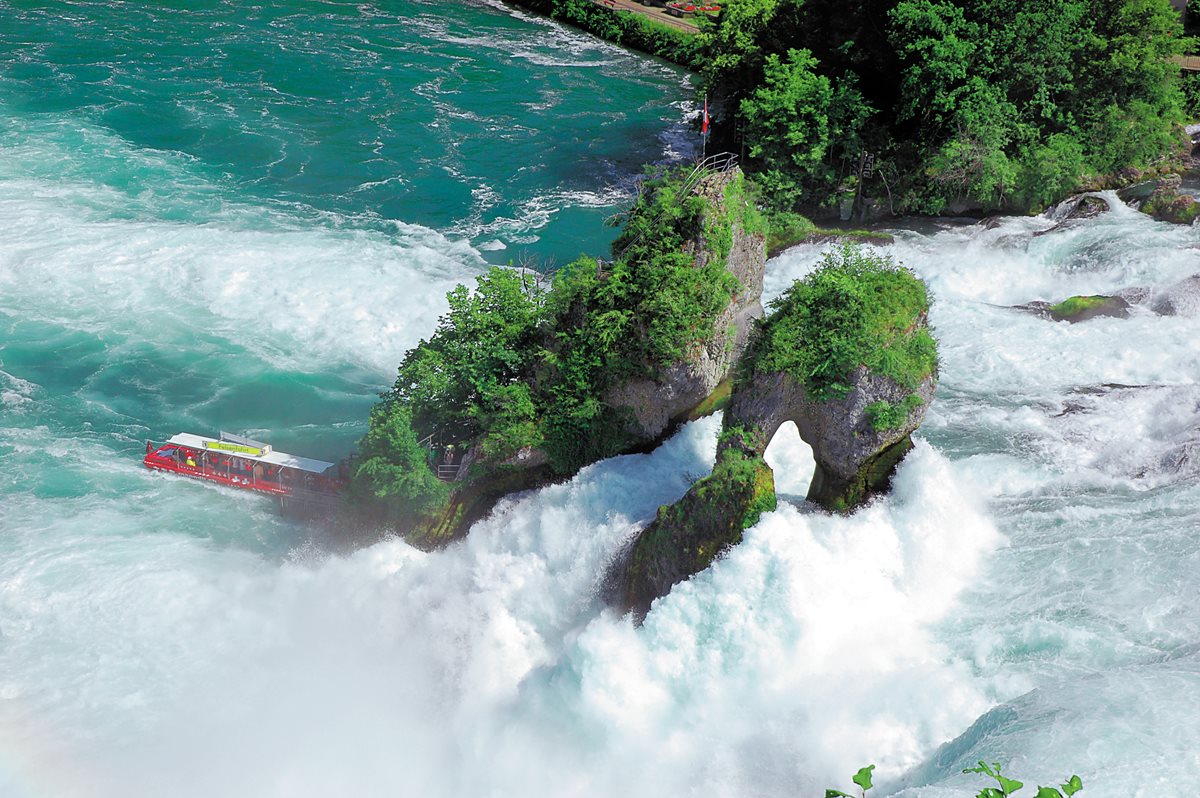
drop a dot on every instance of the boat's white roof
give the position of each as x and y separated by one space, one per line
273 457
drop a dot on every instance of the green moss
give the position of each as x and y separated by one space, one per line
1171 207
714 401
856 309
886 416
1073 306
824 235
687 536
787 229
842 496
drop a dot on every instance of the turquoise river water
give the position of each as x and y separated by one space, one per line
217 215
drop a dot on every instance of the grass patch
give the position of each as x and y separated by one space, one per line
856 309
886 416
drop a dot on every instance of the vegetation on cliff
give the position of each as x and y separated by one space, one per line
989 104
856 309
847 356
983 105
514 366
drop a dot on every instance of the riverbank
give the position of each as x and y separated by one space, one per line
637 28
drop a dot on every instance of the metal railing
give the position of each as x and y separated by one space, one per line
713 164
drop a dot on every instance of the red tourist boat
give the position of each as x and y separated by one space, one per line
298 482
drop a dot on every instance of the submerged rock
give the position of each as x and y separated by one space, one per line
1180 299
1074 209
1081 308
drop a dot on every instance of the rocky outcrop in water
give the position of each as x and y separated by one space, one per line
856 384
1178 299
1162 199
659 403
634 412
1080 308
1073 210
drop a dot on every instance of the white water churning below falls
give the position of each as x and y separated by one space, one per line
1027 594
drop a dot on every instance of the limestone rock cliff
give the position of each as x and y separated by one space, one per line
858 420
643 409
658 403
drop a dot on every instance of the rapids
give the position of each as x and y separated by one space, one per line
191 237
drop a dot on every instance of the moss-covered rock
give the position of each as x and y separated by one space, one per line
687 536
847 356
1080 308
1162 199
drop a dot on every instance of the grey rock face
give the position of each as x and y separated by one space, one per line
679 388
1180 299
840 432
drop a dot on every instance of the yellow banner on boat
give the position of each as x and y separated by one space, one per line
234 448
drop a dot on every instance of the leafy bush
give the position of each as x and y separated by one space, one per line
856 309
975 104
509 368
394 471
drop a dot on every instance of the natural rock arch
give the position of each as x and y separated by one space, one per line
857 418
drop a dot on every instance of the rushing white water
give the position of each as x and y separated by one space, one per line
1030 585
1028 593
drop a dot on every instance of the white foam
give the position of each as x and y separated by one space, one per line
295 296
488 665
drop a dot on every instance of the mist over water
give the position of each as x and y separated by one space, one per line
1027 594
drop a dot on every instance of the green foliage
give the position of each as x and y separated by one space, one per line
886 416
394 469
798 124
480 346
1190 84
856 309
862 778
510 368
988 104
1005 785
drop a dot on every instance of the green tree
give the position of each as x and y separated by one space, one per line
799 124
481 345
394 470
